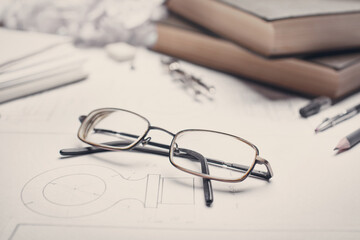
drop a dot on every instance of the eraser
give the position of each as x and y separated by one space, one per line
120 51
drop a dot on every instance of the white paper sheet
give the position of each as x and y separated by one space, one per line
16 46
34 62
313 194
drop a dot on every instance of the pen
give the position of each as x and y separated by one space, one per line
330 122
315 106
348 141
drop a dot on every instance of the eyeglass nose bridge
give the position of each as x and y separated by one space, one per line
146 139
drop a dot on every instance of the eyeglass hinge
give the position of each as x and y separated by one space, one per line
261 160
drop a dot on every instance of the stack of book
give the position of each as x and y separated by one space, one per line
307 46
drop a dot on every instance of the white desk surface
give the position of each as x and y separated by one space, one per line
314 193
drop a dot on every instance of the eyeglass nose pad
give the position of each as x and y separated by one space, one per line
177 151
146 141
82 118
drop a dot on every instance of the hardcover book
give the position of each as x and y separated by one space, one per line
278 27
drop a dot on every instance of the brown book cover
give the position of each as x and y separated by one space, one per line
278 27
333 75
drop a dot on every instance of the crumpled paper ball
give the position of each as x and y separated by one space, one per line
89 22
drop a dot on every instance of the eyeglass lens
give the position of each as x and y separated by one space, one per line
228 158
113 127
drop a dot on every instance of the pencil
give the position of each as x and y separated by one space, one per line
348 141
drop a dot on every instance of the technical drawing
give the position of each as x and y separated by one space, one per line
74 189
83 190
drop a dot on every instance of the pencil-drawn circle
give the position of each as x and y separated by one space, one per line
105 186
74 189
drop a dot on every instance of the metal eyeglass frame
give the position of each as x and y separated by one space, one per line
140 143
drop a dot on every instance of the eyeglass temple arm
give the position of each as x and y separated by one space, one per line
90 150
208 190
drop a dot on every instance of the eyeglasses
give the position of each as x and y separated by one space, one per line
209 154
